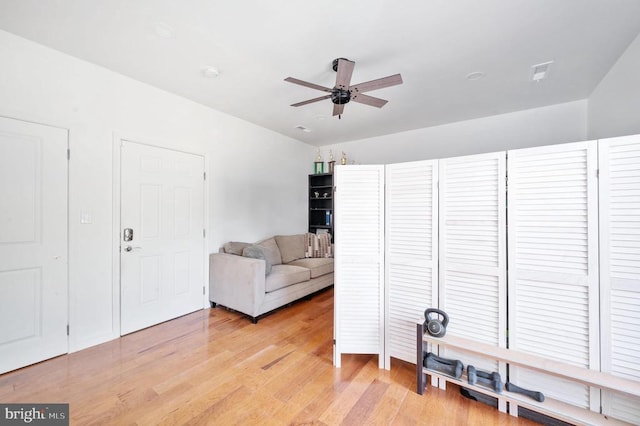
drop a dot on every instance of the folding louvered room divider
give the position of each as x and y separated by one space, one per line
359 262
411 261
472 250
619 164
553 264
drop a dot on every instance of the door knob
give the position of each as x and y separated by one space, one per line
129 248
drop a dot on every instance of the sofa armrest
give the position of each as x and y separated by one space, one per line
237 282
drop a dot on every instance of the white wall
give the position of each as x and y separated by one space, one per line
614 106
535 127
257 178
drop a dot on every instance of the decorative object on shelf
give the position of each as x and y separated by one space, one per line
316 194
451 367
343 159
318 165
325 195
332 162
492 380
433 325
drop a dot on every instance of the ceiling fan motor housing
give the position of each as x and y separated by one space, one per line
340 96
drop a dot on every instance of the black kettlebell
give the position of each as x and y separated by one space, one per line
434 326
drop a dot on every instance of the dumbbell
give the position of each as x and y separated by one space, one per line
493 380
452 367
538 396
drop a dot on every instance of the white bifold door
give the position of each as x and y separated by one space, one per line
162 235
619 162
411 261
33 243
553 264
359 262
472 253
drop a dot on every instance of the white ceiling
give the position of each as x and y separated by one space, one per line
255 44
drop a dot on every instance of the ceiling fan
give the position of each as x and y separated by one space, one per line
342 93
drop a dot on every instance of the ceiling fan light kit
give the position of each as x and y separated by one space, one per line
343 92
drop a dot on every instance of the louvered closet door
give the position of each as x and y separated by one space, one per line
472 252
553 271
411 261
359 262
620 269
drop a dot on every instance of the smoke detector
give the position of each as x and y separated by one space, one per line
540 72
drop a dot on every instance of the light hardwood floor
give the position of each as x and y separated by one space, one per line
215 367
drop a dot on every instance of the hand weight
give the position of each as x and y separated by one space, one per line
432 323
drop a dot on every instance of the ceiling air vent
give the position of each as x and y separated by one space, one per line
302 128
540 71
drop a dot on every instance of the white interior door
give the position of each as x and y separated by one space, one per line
162 203
33 243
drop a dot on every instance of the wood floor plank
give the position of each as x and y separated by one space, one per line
214 367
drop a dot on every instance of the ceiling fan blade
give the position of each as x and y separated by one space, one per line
321 98
368 100
380 83
345 69
306 84
338 109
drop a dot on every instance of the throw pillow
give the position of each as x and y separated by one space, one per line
257 252
324 245
318 245
291 247
271 250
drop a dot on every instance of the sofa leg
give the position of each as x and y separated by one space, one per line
254 320
213 304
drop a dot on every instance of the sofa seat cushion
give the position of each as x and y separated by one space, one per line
317 265
282 276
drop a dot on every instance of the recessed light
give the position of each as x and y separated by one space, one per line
476 75
210 72
163 30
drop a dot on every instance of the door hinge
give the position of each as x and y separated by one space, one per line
68 154
204 175
202 289
67 329
204 233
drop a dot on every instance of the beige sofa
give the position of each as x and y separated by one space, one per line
257 278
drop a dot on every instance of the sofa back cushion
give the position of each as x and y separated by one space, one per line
234 247
271 250
291 247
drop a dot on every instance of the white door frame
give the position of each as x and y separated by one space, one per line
115 234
